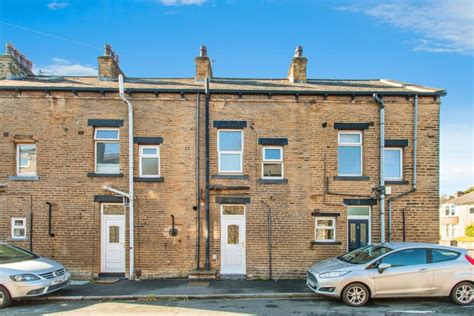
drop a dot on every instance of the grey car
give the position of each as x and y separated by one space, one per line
24 274
395 270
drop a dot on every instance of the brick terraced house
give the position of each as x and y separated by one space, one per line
231 176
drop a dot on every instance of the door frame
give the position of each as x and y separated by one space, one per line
223 238
366 217
103 236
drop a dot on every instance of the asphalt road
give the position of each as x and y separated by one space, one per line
242 307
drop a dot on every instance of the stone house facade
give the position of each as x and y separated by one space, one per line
255 177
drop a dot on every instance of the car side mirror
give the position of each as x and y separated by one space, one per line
383 266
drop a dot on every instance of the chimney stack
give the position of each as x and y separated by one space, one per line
297 71
14 65
203 65
109 68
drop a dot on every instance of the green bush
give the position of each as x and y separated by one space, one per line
470 230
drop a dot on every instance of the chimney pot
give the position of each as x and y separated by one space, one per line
14 65
203 65
109 68
297 71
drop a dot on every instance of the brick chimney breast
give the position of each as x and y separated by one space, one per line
203 65
297 71
14 65
109 68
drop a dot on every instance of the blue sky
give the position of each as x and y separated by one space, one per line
424 42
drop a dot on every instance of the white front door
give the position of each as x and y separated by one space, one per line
113 243
233 241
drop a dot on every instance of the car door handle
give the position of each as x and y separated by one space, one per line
424 270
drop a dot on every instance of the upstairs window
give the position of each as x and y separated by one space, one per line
272 166
18 228
26 159
149 161
350 154
393 164
107 150
471 210
230 151
325 229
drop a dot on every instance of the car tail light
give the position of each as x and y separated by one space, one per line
470 259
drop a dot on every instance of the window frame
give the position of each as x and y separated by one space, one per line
273 161
400 149
105 140
18 159
359 144
333 228
427 254
141 155
230 152
13 227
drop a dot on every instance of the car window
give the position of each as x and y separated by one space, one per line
440 255
365 254
407 257
9 254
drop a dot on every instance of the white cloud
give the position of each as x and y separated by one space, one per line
57 5
443 26
182 2
63 67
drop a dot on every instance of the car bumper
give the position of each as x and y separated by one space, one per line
326 287
40 287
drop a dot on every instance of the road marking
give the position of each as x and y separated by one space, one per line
412 312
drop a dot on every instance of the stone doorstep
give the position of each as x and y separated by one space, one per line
212 274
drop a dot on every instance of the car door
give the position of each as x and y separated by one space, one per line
409 275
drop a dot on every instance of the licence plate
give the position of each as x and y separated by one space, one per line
60 280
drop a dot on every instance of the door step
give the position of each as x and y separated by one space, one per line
233 276
204 274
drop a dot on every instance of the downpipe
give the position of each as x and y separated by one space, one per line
381 188
130 180
206 114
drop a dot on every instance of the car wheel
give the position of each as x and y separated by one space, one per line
355 295
463 293
5 298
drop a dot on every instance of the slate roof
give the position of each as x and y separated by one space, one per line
224 85
464 199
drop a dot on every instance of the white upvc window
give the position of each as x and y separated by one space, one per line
272 162
230 147
325 229
26 159
447 210
149 162
350 153
450 230
107 150
18 228
393 164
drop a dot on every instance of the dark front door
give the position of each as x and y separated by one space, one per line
358 233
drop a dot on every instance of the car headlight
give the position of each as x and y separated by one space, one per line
333 274
24 277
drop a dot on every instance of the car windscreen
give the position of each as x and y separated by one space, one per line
9 254
365 254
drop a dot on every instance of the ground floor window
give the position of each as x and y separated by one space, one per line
325 229
18 228
450 230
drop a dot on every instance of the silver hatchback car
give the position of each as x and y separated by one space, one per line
395 270
24 274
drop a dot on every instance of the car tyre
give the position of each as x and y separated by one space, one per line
355 295
463 293
5 298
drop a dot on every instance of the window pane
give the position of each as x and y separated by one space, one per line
471 210
230 162
27 159
230 141
392 164
233 210
18 222
150 151
440 255
349 160
108 157
272 170
349 138
106 134
150 166
113 209
325 222
324 234
114 234
232 234
273 153
18 232
358 211
407 257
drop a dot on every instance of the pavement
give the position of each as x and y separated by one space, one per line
182 289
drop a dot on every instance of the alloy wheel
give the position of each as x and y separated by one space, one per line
356 295
2 298
464 293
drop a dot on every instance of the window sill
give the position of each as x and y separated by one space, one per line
350 178
146 179
272 181
314 242
105 175
230 176
393 182
24 178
